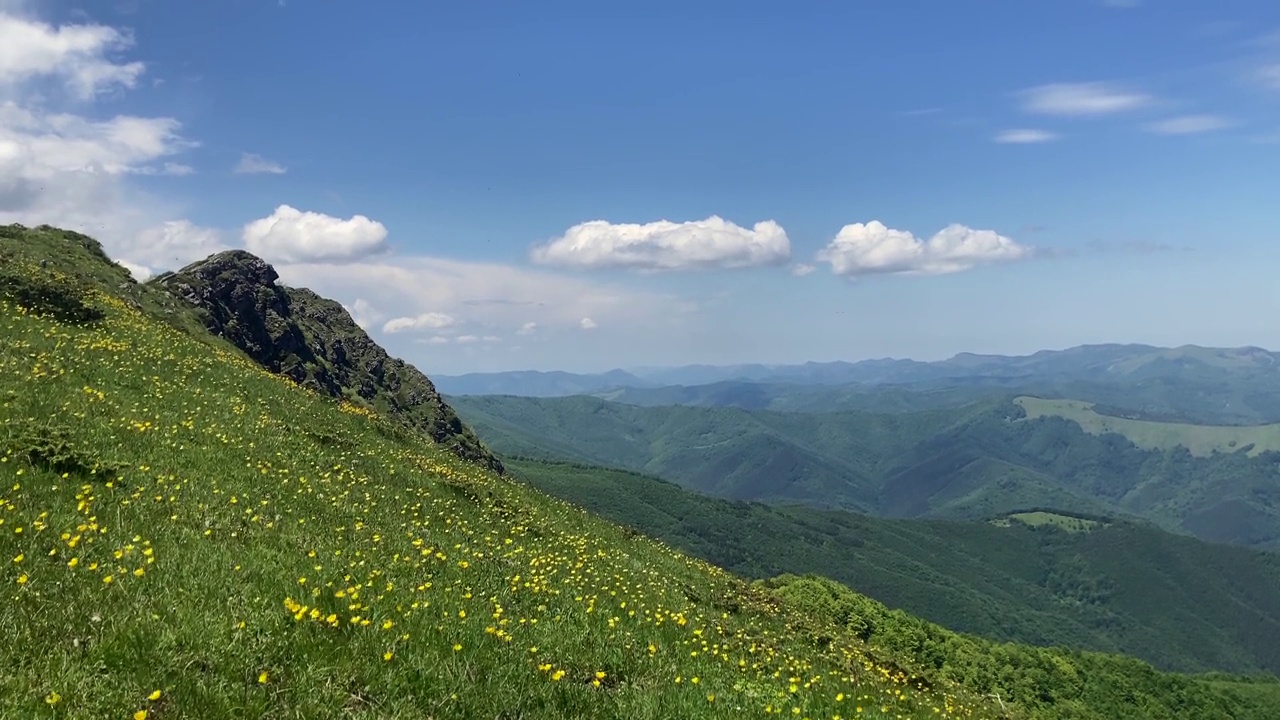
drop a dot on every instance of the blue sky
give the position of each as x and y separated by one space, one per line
582 186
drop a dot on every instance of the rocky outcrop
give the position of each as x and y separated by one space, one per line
314 341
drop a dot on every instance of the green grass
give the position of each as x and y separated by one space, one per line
184 535
177 523
1058 520
1127 587
1200 440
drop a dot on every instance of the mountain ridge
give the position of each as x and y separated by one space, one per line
315 342
1089 360
966 461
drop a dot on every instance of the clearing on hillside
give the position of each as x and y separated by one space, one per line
1043 517
1200 440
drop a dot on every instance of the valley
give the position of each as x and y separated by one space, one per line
968 461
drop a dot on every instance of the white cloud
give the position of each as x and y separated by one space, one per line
802 269
253 164
425 321
1188 125
528 328
872 248
31 50
37 146
73 169
177 242
292 236
466 340
1025 136
168 245
364 313
1269 76
587 324
437 340
486 295
140 273
665 245
1082 99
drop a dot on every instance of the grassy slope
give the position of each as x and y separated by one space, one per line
1200 440
1173 600
185 535
249 549
315 342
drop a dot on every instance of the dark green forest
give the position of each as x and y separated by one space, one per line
969 461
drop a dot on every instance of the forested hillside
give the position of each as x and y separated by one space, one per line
1118 586
974 460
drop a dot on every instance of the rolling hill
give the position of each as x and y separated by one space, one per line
1117 586
974 460
186 534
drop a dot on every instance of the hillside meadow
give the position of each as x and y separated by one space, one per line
185 535
1200 440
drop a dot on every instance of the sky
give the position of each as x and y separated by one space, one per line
582 185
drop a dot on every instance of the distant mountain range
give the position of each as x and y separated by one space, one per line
1221 386
1085 362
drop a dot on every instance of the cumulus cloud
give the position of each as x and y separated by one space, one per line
252 164
587 324
528 328
1188 125
872 248
665 245
77 54
292 236
1023 136
1082 99
802 269
425 321
74 169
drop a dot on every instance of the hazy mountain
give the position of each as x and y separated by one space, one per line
532 383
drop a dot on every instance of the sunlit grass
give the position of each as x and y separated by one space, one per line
185 535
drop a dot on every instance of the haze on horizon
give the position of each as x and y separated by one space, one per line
731 183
